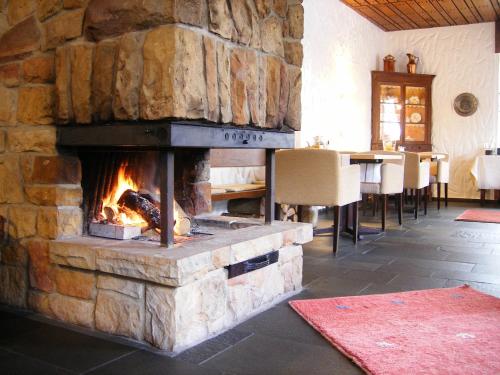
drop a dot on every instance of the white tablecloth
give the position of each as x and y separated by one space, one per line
486 171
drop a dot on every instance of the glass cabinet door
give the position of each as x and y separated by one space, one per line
390 112
415 110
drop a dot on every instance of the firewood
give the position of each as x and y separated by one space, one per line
143 207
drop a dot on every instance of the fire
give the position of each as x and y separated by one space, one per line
125 182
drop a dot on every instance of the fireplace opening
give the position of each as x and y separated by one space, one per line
122 197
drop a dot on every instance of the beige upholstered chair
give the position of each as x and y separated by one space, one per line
385 179
417 178
315 177
440 174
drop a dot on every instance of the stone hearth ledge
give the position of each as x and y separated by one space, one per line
182 264
171 298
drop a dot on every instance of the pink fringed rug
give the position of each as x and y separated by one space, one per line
438 331
480 216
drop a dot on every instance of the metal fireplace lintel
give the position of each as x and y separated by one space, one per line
166 136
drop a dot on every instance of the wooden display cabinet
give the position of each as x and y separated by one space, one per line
402 110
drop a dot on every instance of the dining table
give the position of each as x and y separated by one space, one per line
430 155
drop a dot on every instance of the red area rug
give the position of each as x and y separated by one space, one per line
480 216
439 331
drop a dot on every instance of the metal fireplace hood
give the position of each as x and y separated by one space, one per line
166 136
176 134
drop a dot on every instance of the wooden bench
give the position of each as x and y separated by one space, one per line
237 158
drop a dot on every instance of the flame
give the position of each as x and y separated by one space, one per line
125 182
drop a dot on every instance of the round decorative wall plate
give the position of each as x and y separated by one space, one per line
465 104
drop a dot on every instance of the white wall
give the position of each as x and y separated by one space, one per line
340 50
463 60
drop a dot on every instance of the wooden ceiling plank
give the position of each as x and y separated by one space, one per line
496 5
404 17
424 13
351 3
439 4
464 11
431 10
393 17
396 23
489 10
374 18
470 4
416 18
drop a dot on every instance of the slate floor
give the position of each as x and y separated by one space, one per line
433 252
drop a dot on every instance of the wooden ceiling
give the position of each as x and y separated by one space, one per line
392 15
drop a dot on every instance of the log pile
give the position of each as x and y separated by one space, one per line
289 213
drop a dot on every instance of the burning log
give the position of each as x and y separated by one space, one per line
134 201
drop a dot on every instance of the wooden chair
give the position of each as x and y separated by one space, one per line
313 177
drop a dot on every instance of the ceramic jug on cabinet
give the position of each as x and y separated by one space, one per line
412 63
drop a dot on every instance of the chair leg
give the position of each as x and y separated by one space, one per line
417 199
439 195
483 196
336 230
399 197
355 222
374 206
364 202
446 194
384 211
426 196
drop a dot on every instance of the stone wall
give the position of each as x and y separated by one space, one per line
81 61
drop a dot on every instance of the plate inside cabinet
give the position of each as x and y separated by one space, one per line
414 100
465 104
415 117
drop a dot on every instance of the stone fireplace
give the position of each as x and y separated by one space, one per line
88 65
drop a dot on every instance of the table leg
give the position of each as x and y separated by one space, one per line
483 196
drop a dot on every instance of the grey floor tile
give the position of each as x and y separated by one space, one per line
467 276
491 268
14 364
145 363
64 348
13 325
265 355
408 282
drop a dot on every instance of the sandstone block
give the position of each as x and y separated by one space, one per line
54 195
294 53
295 21
242 20
272 36
284 93
63 27
8 106
39 69
273 91
64 106
224 74
40 270
174 83
127 287
22 221
209 45
293 115
291 272
47 8
4 24
10 179
244 86
39 302
176 318
102 80
81 76
10 75
37 140
263 7
20 40
55 170
36 105
13 253
2 141
192 12
220 20
118 314
129 70
73 283
73 4
106 18
19 10
72 310
58 222
14 286
73 255
280 7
